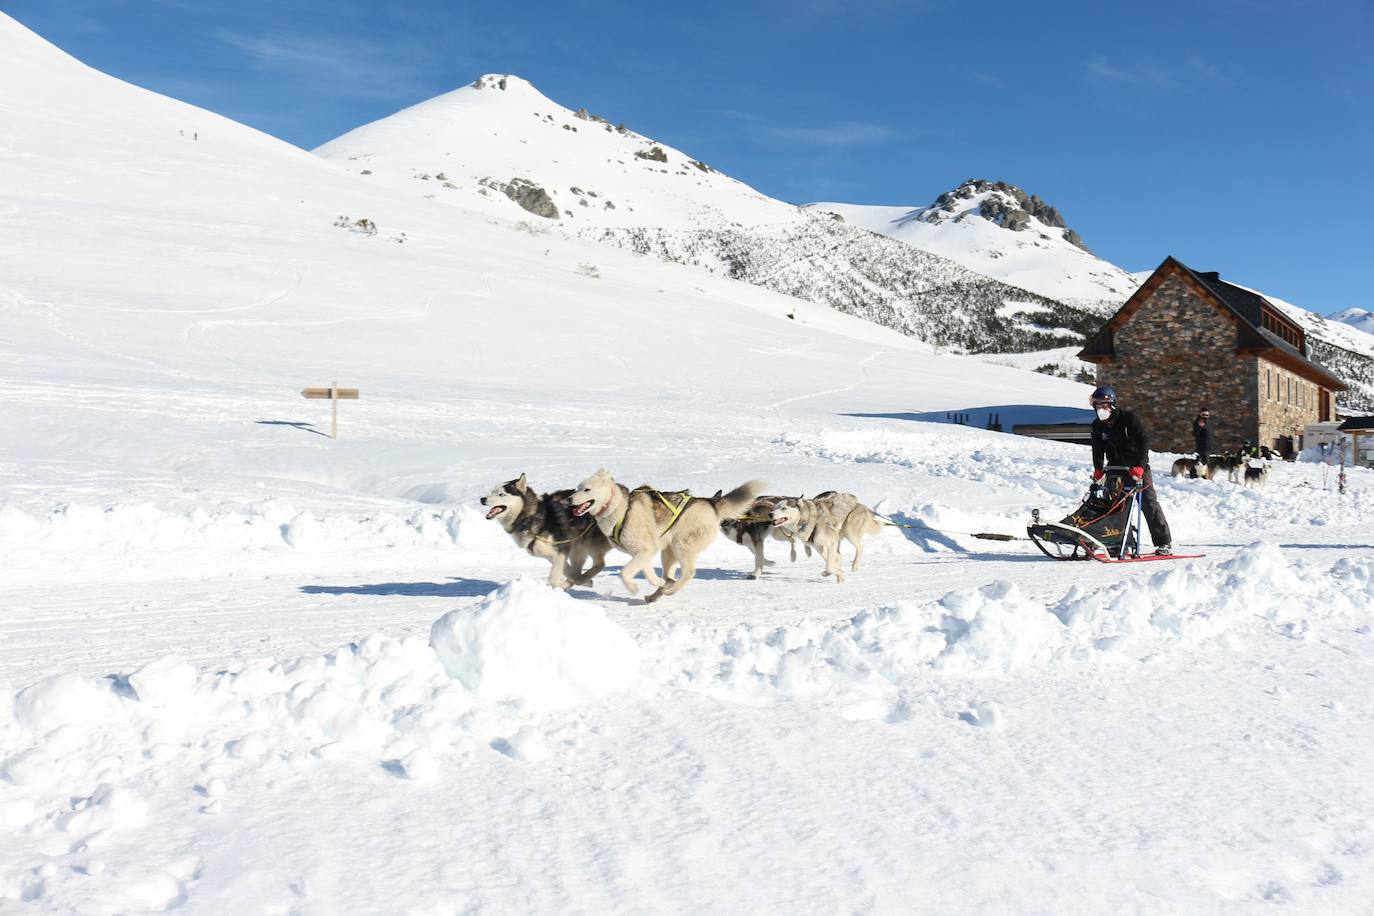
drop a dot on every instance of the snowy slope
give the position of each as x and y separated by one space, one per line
501 147
986 227
500 128
244 668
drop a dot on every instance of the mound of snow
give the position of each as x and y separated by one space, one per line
881 652
63 699
530 644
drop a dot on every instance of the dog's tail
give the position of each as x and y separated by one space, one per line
738 501
880 519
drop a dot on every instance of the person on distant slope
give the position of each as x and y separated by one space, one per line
1119 439
1202 438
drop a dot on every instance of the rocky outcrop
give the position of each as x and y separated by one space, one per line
1005 205
654 153
527 194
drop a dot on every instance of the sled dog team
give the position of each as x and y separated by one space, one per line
575 529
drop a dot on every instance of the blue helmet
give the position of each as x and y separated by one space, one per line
1104 394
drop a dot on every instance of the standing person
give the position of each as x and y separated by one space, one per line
1119 439
1202 440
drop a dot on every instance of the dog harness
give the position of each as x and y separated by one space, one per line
535 539
686 500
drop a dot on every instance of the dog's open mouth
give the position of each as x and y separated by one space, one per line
583 508
779 522
495 511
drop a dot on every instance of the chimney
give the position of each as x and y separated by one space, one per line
1210 275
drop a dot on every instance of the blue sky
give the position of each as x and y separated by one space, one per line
1236 135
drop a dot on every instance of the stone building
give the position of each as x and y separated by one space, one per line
1188 340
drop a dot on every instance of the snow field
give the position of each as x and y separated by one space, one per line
89 765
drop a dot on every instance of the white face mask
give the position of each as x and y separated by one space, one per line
1104 414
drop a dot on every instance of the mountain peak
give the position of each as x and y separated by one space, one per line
999 203
503 82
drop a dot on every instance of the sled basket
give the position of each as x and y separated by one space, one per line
1106 525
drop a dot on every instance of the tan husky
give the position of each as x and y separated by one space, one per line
645 522
823 521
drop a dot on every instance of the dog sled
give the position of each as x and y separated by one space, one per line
1106 527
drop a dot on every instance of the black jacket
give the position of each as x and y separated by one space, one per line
1202 438
1120 441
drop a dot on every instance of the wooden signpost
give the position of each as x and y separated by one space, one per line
335 394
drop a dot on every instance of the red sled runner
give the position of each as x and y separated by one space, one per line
1105 528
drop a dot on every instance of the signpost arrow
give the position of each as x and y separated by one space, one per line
334 393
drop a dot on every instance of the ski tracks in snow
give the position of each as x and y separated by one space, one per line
863 377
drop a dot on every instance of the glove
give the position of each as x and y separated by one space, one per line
1097 473
1138 473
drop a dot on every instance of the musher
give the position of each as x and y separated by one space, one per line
1119 440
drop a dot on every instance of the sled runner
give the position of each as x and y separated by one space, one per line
1106 527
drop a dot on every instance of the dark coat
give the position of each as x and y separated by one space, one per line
1120 441
1202 438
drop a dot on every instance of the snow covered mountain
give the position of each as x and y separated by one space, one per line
1000 231
500 146
1359 319
986 268
499 143
286 270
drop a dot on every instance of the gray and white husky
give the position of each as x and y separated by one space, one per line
645 522
756 528
544 526
824 521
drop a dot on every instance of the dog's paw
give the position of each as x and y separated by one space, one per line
654 597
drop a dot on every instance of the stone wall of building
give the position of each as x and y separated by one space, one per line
1287 403
1176 355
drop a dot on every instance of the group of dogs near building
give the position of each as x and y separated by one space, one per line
1249 466
575 529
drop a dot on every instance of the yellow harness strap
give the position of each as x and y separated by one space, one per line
676 510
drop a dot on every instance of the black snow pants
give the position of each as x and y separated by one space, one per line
1154 515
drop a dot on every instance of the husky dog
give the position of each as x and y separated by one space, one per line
1256 474
644 522
824 521
756 528
1190 467
1227 462
545 527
